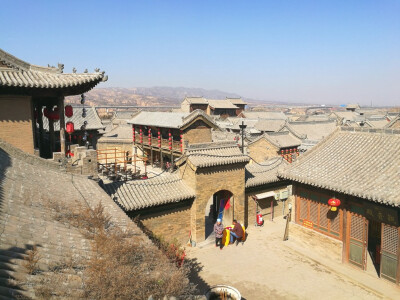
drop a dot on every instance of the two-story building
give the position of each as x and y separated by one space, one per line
162 137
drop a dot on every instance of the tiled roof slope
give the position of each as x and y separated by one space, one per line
283 139
17 73
268 115
196 100
140 194
169 119
92 118
119 132
360 162
27 183
221 104
236 101
214 154
264 173
315 130
269 125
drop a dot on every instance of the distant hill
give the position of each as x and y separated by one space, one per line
143 96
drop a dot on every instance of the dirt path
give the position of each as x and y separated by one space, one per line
267 268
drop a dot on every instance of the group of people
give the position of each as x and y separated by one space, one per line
235 232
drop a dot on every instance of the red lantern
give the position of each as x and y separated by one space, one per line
69 112
69 127
334 203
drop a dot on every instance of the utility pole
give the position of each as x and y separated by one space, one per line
242 127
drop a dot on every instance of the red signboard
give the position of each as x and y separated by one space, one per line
308 224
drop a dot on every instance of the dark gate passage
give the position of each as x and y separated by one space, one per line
374 244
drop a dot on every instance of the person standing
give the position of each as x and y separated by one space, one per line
236 232
218 230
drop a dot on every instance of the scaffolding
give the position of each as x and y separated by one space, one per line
120 165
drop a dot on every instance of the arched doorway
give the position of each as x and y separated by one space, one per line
219 206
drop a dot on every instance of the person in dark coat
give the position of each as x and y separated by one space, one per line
218 230
236 232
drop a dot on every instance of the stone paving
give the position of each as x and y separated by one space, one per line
266 267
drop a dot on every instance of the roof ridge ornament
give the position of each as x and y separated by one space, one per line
73 70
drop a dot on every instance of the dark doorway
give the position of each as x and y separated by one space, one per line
374 244
219 206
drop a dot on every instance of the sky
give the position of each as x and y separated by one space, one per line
326 52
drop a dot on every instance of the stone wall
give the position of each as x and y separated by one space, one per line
169 221
83 161
262 150
16 125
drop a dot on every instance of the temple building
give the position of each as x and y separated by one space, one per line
26 91
360 168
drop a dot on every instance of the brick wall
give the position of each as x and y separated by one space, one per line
171 221
265 204
262 150
16 122
208 182
198 132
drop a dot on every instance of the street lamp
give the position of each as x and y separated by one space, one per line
242 128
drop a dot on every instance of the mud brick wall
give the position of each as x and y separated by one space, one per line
16 126
169 221
262 150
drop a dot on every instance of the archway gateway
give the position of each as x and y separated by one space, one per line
219 206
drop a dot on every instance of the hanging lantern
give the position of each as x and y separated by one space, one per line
69 127
69 112
334 203
55 115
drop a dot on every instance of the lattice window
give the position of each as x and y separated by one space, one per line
323 219
357 227
303 209
314 212
390 239
335 223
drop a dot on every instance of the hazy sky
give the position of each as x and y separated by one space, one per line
299 51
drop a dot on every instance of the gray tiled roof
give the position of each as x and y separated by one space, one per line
315 130
140 194
360 162
392 123
352 106
214 154
268 115
269 125
265 172
119 132
94 122
196 100
35 195
18 73
169 119
283 139
236 101
159 119
221 104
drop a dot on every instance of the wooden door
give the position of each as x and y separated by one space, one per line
389 255
358 240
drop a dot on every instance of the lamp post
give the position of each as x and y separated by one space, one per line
242 128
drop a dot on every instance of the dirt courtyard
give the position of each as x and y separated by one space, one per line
266 267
